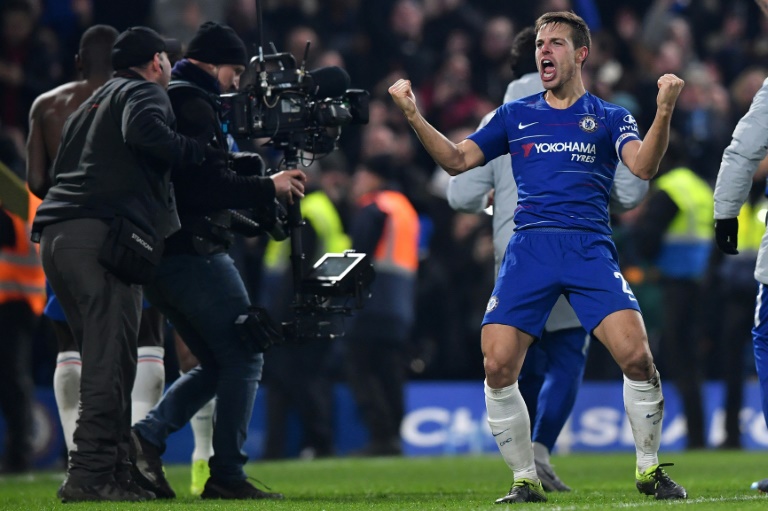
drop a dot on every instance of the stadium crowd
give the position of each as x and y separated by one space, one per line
456 54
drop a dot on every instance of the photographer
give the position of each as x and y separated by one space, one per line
112 172
197 285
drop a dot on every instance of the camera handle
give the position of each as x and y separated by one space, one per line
295 222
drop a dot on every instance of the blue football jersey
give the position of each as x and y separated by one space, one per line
563 161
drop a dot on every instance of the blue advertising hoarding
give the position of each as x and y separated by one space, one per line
446 418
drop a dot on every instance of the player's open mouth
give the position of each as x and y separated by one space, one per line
548 70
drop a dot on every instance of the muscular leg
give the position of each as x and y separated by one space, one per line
623 334
504 349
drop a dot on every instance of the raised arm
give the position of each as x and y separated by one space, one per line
643 158
453 158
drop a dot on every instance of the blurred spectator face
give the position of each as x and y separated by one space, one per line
553 6
669 59
297 42
17 26
330 58
497 38
377 112
377 140
627 24
229 77
407 19
364 181
680 34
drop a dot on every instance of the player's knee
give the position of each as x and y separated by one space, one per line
638 365
497 372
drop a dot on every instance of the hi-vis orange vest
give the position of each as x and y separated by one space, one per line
21 274
397 250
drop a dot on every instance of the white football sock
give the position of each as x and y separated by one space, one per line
150 381
202 431
66 389
644 404
511 428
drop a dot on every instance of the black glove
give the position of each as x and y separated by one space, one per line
726 234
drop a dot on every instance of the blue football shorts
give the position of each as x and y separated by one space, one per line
539 266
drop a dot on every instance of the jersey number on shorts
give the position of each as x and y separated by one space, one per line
625 285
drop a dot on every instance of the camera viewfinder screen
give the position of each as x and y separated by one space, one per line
333 267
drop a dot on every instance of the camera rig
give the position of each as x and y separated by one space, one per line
320 297
299 110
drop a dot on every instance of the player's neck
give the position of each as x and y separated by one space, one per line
564 96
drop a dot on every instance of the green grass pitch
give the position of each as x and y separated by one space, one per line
715 480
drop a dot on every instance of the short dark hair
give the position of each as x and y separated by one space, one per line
96 50
579 29
521 56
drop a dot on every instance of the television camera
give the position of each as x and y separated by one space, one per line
292 107
299 111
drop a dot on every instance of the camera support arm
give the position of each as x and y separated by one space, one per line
295 222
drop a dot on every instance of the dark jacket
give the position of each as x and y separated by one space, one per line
115 156
224 180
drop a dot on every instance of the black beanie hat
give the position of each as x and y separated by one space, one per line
217 44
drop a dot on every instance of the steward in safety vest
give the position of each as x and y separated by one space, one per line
687 242
21 273
386 226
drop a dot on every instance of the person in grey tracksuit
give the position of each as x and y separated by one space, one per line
748 147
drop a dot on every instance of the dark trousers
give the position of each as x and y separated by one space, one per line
17 327
376 372
680 352
297 378
738 317
103 313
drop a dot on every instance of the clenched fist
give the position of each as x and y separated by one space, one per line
404 97
669 89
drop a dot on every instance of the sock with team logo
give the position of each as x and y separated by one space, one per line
511 429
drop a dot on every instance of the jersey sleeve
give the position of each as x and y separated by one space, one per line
492 138
623 127
749 145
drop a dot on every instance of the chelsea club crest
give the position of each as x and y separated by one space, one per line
588 124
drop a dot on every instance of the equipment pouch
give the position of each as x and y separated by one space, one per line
129 253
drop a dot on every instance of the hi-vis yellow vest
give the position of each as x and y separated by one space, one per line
751 226
21 274
688 240
319 211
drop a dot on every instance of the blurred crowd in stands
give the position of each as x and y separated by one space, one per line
456 54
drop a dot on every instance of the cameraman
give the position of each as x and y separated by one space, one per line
197 285
112 167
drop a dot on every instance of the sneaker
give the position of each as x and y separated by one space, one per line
147 469
242 490
548 478
524 490
131 486
656 482
110 491
761 486
200 474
